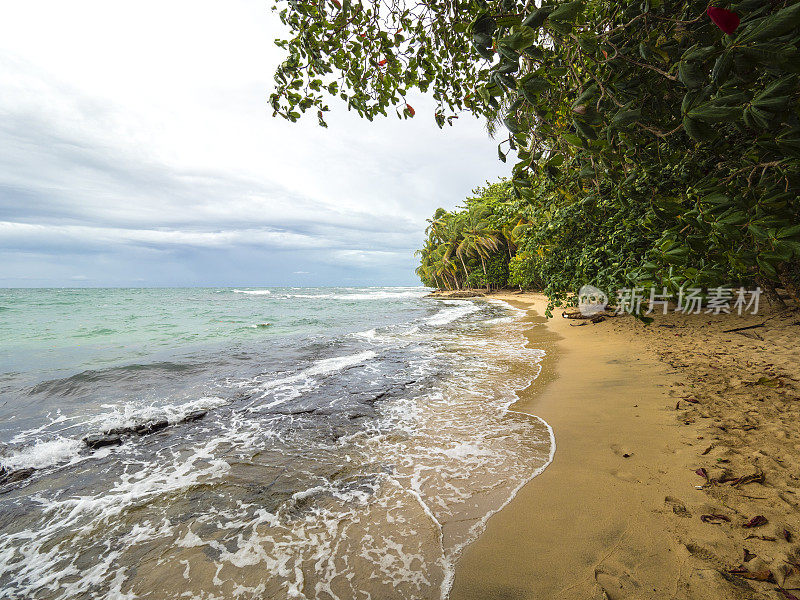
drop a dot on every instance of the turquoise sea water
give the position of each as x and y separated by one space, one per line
343 442
46 331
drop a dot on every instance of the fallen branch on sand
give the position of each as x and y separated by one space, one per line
595 318
743 328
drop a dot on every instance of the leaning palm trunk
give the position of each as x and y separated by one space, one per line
466 273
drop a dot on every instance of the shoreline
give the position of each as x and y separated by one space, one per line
548 540
617 514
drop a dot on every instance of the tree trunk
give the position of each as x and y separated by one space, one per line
785 275
466 273
770 292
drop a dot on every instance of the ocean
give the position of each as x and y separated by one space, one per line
330 443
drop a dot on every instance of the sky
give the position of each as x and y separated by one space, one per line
137 149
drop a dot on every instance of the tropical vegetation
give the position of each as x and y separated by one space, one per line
656 142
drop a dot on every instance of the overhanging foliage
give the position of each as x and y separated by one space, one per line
663 148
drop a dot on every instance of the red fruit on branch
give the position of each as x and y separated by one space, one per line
337 3
726 20
411 110
381 63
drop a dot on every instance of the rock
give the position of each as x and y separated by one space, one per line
13 476
140 429
195 415
100 440
455 294
151 427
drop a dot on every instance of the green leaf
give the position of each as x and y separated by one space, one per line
710 113
690 75
626 116
586 95
511 123
697 130
483 23
772 26
717 198
735 218
509 21
787 248
567 12
696 53
531 86
788 232
584 130
722 67
562 27
520 39
588 43
573 139
537 17
772 54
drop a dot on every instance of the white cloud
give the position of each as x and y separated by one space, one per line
15 235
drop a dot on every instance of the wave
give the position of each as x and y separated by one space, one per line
448 315
272 502
43 454
369 334
295 385
130 415
378 295
253 292
40 453
74 383
310 296
480 526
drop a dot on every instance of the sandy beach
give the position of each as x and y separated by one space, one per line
676 469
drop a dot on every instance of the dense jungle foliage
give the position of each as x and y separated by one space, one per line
657 143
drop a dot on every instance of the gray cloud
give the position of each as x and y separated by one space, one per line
123 165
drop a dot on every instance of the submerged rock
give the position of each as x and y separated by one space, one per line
140 428
459 294
113 436
195 415
15 475
100 440
150 427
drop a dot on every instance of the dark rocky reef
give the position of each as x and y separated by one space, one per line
8 476
114 436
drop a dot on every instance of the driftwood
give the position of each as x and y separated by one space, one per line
595 318
743 328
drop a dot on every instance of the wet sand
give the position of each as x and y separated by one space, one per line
618 512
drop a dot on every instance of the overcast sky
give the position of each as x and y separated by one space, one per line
137 148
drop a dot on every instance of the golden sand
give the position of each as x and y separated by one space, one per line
626 510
